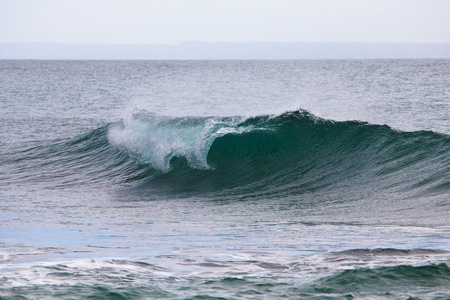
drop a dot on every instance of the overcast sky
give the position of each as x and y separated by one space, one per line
175 21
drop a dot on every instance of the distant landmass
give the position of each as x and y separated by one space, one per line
228 51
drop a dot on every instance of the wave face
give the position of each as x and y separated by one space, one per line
265 156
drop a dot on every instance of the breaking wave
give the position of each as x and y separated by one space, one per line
284 155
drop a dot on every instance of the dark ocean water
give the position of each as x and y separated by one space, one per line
225 179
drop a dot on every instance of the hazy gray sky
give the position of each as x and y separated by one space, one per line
175 21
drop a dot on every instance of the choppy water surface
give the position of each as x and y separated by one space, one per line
225 180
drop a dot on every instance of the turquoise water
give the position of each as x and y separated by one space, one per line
225 179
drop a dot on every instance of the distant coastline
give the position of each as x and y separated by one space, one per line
224 51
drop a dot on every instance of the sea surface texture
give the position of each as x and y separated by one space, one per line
225 179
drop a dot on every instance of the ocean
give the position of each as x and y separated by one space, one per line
306 179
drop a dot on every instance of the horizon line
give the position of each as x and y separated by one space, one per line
223 42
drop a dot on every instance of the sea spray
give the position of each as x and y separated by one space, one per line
156 140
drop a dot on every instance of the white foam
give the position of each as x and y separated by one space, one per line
205 264
156 140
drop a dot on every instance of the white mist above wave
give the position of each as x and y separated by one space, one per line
156 140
